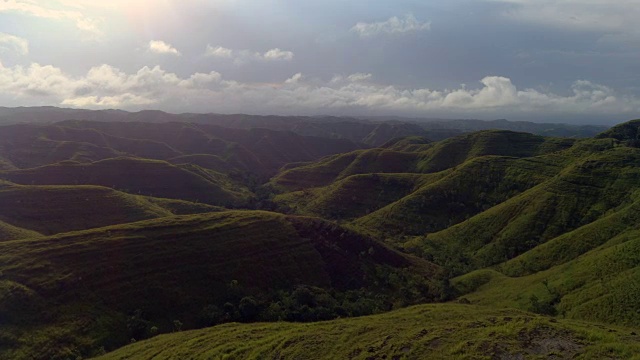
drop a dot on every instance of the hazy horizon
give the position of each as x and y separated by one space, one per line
541 61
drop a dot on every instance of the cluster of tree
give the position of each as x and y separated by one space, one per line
392 288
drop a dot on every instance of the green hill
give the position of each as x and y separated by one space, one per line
354 196
455 151
10 232
442 331
459 194
424 158
138 176
626 132
581 193
257 149
602 284
57 209
75 293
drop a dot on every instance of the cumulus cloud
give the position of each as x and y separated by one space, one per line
277 54
394 25
245 56
294 79
218 51
359 77
161 47
154 87
14 44
36 9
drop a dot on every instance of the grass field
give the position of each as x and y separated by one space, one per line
442 331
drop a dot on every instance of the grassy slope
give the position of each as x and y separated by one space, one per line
455 151
593 185
137 176
354 196
458 194
260 151
71 292
601 285
11 232
56 209
442 331
407 159
591 269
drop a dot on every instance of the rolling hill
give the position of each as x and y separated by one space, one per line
50 210
76 293
552 218
138 176
425 158
115 232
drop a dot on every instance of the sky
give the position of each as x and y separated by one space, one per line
573 61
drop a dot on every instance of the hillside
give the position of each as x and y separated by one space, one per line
467 190
244 154
425 158
532 215
591 273
442 331
138 176
583 192
10 232
123 280
50 210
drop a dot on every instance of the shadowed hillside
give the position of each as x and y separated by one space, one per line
253 148
255 152
56 209
123 280
354 196
137 176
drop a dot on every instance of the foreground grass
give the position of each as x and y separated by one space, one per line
440 331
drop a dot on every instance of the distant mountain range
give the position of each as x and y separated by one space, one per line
373 131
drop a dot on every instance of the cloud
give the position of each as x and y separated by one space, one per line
161 47
154 87
106 101
14 44
277 54
218 51
244 56
359 77
294 79
618 18
32 8
394 25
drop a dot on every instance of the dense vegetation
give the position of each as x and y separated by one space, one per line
113 232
